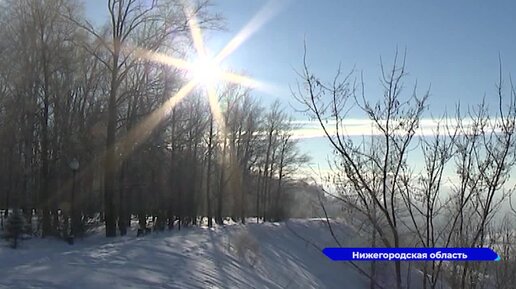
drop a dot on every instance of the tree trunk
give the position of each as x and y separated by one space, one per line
44 193
208 175
122 210
110 160
222 182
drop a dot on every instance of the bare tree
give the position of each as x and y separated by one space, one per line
369 180
407 207
134 25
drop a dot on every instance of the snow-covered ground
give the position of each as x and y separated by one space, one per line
270 255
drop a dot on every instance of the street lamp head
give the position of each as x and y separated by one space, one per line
74 164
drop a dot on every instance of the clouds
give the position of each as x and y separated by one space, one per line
364 127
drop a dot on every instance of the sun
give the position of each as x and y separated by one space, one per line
206 72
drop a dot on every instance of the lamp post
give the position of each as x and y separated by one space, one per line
74 165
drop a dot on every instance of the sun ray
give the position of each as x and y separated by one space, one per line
144 128
215 109
192 67
240 79
205 71
164 59
128 143
265 13
195 31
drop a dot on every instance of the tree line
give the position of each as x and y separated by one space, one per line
83 131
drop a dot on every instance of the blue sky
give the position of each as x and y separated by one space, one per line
451 45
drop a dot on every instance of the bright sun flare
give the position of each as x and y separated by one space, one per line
206 72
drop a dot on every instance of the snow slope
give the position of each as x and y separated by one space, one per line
270 255
233 256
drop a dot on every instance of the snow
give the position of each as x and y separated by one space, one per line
269 255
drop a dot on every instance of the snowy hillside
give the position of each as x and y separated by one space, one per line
270 255
234 256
